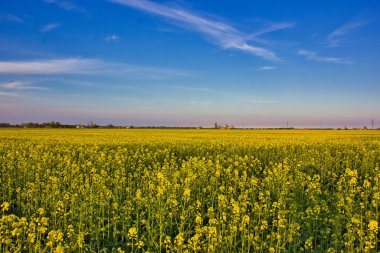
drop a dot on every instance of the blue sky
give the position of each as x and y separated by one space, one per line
190 63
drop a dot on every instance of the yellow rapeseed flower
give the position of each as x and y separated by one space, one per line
373 226
5 206
132 233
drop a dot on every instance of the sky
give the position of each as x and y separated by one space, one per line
191 63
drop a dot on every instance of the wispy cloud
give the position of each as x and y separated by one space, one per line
263 68
273 27
313 56
20 85
11 18
222 34
56 66
66 5
268 28
112 37
87 66
340 35
49 27
8 94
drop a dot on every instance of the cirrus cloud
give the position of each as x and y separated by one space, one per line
112 37
49 27
313 56
20 85
224 35
263 68
11 18
340 35
87 66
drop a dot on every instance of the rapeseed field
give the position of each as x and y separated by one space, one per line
134 190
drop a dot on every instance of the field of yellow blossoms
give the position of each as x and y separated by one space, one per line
133 190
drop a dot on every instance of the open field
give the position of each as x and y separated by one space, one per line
132 190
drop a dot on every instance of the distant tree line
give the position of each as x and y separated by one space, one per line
56 124
52 124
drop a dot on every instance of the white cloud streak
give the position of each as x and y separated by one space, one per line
8 94
112 37
49 27
66 5
86 66
56 66
339 36
222 34
11 18
313 56
263 68
272 28
20 85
